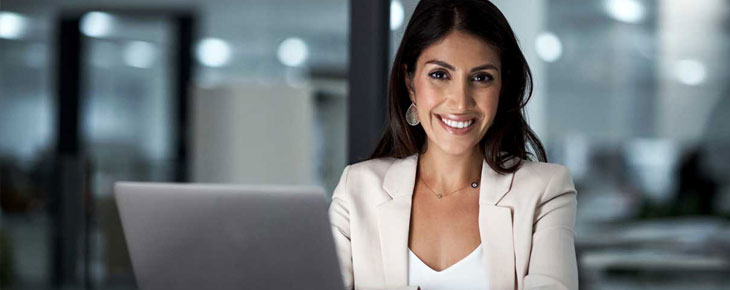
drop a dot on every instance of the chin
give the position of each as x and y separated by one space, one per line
457 148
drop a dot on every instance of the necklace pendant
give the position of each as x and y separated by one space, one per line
474 184
439 196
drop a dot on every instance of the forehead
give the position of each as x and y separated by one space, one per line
462 50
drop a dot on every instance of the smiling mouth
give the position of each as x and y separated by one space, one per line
457 124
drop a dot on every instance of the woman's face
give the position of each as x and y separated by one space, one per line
456 89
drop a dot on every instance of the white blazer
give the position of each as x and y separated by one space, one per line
526 224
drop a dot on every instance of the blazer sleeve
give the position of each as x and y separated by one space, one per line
552 260
340 220
339 213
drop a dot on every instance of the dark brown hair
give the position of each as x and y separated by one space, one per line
509 135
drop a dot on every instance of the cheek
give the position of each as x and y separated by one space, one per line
489 100
491 103
427 98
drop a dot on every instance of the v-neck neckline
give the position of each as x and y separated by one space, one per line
469 256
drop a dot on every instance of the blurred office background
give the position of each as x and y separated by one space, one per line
631 95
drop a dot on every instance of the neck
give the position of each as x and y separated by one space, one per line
446 172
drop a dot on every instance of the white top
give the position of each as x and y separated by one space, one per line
468 273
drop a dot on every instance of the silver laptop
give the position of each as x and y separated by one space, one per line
205 236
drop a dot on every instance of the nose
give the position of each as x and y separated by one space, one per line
460 97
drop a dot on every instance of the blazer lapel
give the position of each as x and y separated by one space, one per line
495 224
394 219
495 229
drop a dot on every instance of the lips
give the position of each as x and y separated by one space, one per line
456 121
456 124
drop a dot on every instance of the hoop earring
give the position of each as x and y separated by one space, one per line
412 115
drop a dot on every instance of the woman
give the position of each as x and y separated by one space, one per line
451 198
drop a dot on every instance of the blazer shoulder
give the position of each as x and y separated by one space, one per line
361 176
371 168
553 178
545 169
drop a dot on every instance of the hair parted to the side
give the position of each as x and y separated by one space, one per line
509 135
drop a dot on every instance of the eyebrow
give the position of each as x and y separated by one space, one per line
451 67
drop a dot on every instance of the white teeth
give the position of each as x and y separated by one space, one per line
455 124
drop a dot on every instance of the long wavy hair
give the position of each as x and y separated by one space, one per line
509 135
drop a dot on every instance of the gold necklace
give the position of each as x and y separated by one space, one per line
474 184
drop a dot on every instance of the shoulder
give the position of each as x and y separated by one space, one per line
550 179
541 170
372 168
364 174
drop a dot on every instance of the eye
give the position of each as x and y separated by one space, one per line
483 77
439 75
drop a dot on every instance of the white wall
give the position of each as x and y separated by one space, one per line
253 134
689 30
527 18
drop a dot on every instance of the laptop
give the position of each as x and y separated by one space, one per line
207 236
